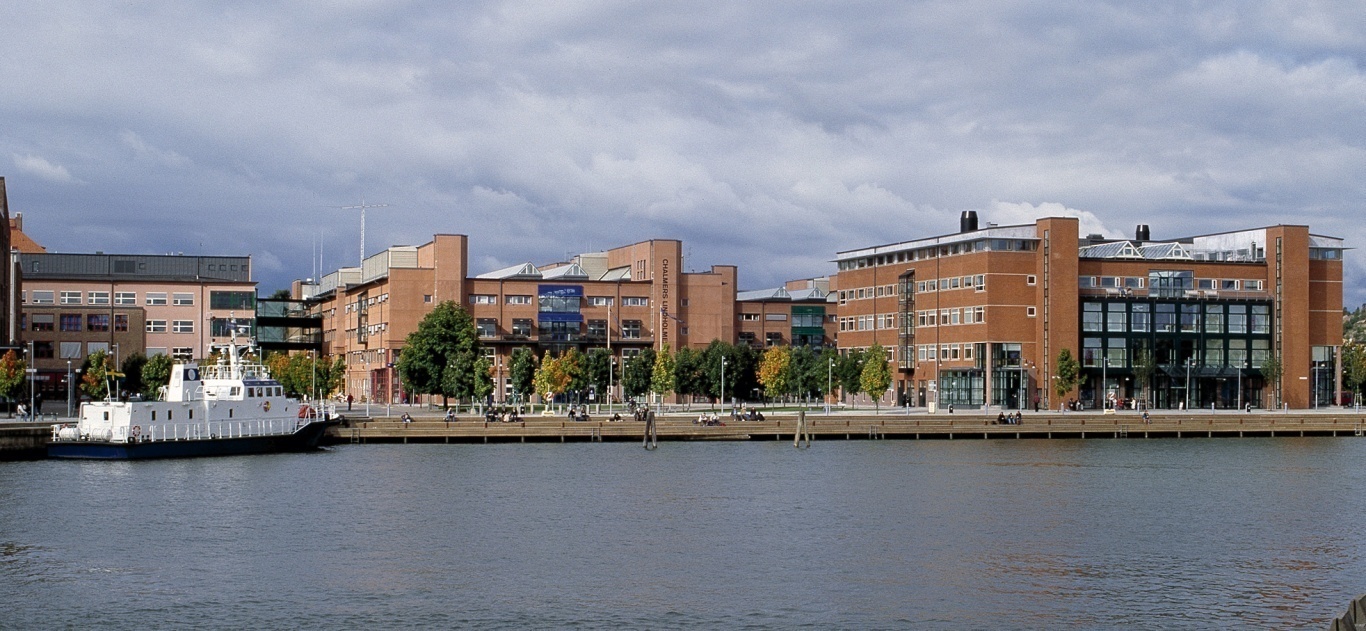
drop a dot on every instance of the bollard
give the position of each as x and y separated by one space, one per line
801 427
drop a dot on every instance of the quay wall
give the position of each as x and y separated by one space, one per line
24 441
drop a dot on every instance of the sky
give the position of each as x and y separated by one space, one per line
768 135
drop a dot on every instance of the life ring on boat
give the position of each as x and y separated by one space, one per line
304 411
137 430
265 405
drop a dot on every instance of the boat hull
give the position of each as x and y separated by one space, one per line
305 439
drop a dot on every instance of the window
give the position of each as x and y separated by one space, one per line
747 337
749 317
182 326
773 339
121 322
235 300
125 298
97 322
633 301
426 298
488 327
182 299
1091 316
597 329
1114 316
1166 318
156 326
71 297
775 317
43 297
1214 318
981 282
521 326
183 353
42 350
71 322
1237 318
1141 318
979 314
1261 319
483 299
630 329
42 322
97 297
156 298
1031 312
1229 285
519 300
71 350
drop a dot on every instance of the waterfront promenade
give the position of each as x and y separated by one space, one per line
860 425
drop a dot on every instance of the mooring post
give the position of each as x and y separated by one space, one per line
651 434
801 428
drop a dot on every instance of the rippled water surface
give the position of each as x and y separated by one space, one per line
1135 534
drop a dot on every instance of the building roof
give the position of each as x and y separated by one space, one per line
136 267
781 293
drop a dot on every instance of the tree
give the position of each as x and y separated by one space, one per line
775 371
636 377
1271 372
1353 366
1145 366
13 372
877 376
806 377
483 378
523 372
662 374
688 379
552 378
597 366
94 372
156 374
826 362
281 294
439 357
849 372
1066 373
132 371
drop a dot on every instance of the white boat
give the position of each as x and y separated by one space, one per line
231 407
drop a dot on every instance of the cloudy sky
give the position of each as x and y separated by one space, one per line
764 134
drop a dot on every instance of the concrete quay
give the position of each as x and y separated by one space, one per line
24 441
852 426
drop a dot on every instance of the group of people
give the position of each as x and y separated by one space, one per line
749 415
500 414
713 420
1013 418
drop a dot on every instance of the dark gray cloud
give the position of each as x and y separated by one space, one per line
768 135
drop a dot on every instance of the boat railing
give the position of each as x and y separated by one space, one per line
220 429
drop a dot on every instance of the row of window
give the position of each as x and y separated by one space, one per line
1139 282
48 349
952 249
523 327
1119 351
126 298
592 301
944 352
73 322
868 322
951 317
1166 317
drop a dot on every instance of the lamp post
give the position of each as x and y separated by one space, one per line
32 371
722 396
829 384
611 368
70 390
1104 384
1189 361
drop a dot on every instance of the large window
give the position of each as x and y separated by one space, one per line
41 297
1169 283
156 326
182 299
522 326
121 322
1261 319
560 298
42 322
1237 318
71 322
633 301
125 298
630 329
240 300
97 322
156 298
71 297
182 326
1141 318
1114 317
1166 318
1091 316
1190 318
1214 318
488 327
597 329
97 297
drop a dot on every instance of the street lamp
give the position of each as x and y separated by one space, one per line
1104 384
829 383
1189 361
723 382
32 371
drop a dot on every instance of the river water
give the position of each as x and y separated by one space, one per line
1008 534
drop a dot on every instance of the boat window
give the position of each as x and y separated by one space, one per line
229 412
106 416
236 390
154 415
168 414
192 415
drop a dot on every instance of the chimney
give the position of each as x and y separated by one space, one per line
1141 233
967 222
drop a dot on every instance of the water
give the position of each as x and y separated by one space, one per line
1135 534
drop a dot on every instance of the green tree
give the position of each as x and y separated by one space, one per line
1145 366
877 376
95 372
1066 373
849 372
523 372
662 374
775 371
807 375
825 371
483 378
156 374
13 374
639 371
132 371
552 378
597 365
439 357
1271 373
688 378
571 362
